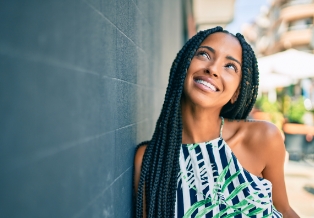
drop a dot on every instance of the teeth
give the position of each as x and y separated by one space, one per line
207 84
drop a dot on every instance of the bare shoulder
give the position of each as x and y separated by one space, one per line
255 141
138 159
264 131
139 156
264 136
255 130
258 136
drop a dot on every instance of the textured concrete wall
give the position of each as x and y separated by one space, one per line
81 83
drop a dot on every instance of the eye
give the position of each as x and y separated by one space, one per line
203 54
232 66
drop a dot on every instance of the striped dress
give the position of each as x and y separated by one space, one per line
212 183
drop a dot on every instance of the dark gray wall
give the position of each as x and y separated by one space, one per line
81 83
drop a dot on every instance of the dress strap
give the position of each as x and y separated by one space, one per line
221 126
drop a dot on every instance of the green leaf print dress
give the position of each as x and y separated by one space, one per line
212 183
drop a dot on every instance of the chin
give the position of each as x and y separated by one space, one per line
201 101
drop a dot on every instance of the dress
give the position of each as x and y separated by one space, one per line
212 183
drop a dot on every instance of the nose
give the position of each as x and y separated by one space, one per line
212 69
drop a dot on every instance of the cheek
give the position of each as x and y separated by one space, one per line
188 78
195 64
232 83
185 84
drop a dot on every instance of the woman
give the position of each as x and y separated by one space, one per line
205 159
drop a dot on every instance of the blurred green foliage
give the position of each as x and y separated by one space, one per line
272 108
296 110
265 105
292 109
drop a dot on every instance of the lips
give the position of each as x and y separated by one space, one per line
207 82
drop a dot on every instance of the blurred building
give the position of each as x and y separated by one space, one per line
205 14
285 24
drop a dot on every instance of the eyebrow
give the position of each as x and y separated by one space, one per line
228 56
209 48
233 59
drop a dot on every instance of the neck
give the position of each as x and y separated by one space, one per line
199 124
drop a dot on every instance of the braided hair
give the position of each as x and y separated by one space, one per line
160 166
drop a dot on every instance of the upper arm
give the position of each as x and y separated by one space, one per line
274 169
138 165
138 159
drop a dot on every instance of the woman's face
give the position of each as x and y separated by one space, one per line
215 72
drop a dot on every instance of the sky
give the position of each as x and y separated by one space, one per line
245 12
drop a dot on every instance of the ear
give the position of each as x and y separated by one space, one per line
235 96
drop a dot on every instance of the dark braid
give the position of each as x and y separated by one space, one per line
160 166
249 84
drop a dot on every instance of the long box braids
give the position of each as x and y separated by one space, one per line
160 166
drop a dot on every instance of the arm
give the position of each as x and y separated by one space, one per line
274 170
137 173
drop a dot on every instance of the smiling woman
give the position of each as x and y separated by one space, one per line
215 69
199 164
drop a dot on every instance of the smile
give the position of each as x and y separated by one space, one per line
207 84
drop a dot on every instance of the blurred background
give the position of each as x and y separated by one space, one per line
82 83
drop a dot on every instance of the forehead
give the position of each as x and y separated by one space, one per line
224 43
